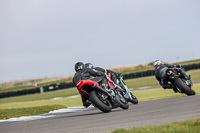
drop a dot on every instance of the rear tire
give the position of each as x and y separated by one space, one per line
103 105
186 89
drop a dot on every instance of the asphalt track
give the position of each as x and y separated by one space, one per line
152 112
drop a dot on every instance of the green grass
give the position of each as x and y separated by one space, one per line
189 126
17 88
67 102
142 95
41 96
37 101
10 113
26 108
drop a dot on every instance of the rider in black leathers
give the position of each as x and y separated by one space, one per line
160 74
83 73
114 76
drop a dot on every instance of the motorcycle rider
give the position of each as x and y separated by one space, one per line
114 76
160 74
83 73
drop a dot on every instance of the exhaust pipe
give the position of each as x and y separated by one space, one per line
98 88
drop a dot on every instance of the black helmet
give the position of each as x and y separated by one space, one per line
89 65
79 66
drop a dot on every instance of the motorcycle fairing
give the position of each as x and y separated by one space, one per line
81 83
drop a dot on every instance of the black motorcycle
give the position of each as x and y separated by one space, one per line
182 82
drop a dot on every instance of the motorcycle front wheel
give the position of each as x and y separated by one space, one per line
102 104
123 103
181 85
134 99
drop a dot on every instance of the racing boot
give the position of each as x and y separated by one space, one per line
174 88
170 86
87 103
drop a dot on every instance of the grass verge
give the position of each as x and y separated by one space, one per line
22 87
10 113
189 126
41 96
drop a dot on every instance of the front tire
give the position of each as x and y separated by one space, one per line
103 105
123 103
134 99
186 89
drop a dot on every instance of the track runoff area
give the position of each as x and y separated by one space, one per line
80 119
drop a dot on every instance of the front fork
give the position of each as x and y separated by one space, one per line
127 94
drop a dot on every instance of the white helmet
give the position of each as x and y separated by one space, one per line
157 63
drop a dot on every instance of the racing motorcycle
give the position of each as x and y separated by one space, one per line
181 83
105 99
128 95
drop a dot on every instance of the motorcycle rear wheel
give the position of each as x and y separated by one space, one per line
186 89
103 105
